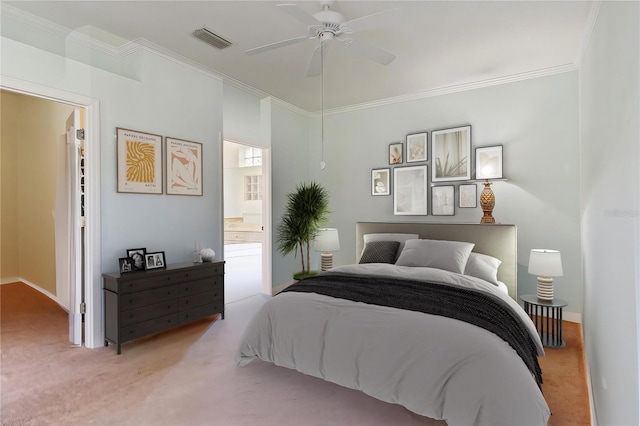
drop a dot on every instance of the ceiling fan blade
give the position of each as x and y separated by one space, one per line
275 45
299 14
369 22
374 53
319 54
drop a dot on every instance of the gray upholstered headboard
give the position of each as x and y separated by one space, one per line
497 240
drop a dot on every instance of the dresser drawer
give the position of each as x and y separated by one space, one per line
147 283
148 327
200 286
149 312
143 298
201 312
198 273
188 302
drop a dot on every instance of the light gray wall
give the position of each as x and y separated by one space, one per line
290 165
242 116
188 108
535 120
610 207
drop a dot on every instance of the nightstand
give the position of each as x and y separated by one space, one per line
547 317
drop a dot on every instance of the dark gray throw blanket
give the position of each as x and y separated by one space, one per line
432 298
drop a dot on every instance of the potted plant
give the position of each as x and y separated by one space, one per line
306 211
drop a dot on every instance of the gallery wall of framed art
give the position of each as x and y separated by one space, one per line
433 172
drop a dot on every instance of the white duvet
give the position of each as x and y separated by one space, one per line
435 366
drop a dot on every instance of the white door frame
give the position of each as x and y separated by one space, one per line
94 333
266 211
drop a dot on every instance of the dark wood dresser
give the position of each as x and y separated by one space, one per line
137 304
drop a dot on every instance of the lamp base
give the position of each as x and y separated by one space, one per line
326 261
487 202
545 288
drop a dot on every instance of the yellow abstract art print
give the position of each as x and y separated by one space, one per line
139 162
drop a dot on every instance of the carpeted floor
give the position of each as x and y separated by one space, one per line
188 376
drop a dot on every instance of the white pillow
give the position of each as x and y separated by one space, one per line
483 266
401 238
448 255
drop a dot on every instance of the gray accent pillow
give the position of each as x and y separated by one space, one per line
483 266
447 255
390 236
380 252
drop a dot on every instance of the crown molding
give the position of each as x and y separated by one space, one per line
143 44
447 90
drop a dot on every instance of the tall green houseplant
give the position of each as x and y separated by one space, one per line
306 211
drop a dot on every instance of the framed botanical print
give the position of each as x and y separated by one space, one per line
139 157
451 153
184 167
416 147
410 190
442 200
380 182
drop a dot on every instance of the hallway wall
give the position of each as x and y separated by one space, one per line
32 130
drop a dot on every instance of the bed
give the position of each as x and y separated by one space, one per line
425 318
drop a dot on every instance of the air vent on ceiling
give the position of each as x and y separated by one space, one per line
211 38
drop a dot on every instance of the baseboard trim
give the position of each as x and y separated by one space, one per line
572 317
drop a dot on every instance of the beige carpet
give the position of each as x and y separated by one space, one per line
187 376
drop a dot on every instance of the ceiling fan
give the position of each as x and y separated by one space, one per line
327 26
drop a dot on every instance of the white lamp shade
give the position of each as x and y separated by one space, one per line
327 240
546 263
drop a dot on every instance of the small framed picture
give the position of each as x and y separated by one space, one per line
489 162
155 260
126 264
380 182
416 147
442 200
395 153
137 258
468 196
451 154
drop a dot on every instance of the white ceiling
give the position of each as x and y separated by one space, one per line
439 45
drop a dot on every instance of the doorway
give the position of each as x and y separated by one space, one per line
245 220
86 258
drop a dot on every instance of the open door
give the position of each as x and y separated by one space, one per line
74 244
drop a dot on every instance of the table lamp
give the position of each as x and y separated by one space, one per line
546 264
326 242
488 166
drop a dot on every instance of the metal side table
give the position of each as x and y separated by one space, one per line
547 317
